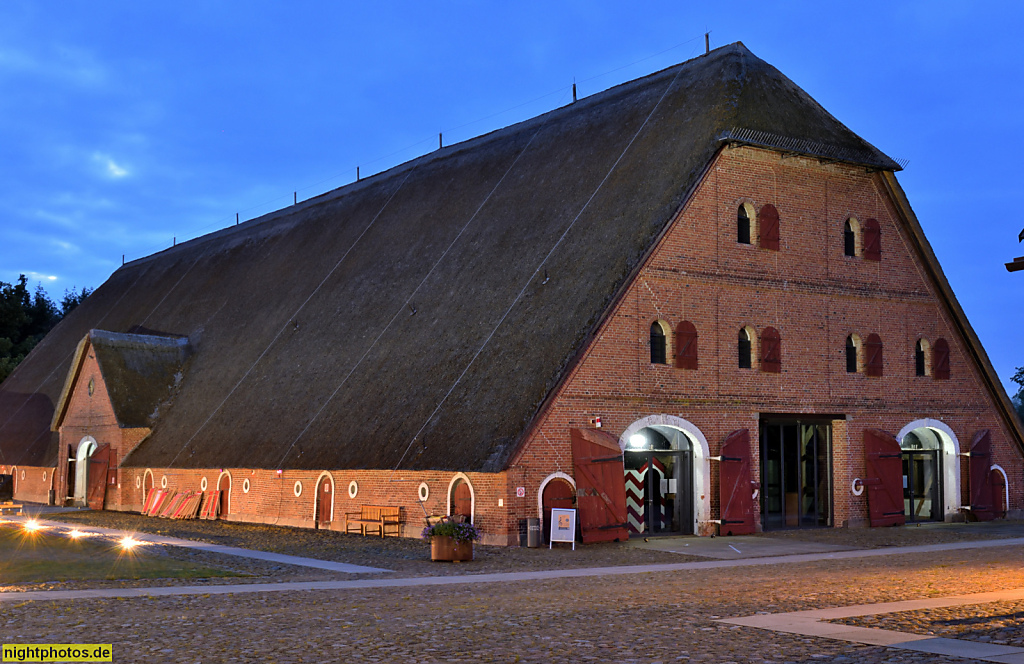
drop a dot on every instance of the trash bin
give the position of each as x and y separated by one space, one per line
533 533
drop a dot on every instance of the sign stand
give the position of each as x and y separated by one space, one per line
563 527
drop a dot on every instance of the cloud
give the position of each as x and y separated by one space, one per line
69 64
110 167
38 276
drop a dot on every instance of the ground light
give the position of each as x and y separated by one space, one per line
32 526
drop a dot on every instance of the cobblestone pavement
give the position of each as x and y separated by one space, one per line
662 617
1000 623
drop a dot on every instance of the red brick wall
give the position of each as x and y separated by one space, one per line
808 290
32 484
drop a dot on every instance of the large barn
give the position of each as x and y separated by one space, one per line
692 303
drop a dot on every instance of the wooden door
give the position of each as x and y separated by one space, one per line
324 501
600 486
96 482
980 463
462 501
224 488
558 494
883 460
735 486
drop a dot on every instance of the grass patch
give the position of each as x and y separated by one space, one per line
40 557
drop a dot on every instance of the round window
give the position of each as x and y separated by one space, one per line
92 386
138 482
245 485
298 489
202 484
23 474
353 489
163 482
424 491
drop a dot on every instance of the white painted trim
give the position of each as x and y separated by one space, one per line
230 483
163 481
203 483
149 471
353 489
86 446
14 482
316 493
245 485
1006 484
547 480
950 462
472 495
701 461
423 492
297 488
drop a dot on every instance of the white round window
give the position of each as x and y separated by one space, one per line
44 475
245 485
163 482
424 491
298 489
353 489
23 474
202 484
138 482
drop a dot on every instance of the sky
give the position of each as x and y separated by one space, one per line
127 126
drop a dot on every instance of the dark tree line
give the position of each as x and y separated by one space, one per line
1018 399
26 317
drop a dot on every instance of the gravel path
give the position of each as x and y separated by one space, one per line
663 617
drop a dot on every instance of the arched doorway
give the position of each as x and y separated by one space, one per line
931 464
86 447
147 485
224 498
922 475
461 500
557 493
324 502
658 464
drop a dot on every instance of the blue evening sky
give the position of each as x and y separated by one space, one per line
126 124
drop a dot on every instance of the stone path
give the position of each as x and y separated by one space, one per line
811 623
212 548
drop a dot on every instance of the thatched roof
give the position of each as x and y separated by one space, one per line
418 318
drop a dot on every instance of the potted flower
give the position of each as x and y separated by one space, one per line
451 541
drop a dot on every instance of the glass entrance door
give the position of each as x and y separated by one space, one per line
796 474
659 494
921 485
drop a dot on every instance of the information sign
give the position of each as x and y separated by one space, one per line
563 526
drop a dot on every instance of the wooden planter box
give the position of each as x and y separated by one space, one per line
445 548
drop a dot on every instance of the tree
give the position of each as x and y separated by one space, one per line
25 319
1018 398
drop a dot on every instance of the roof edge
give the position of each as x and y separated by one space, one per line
69 381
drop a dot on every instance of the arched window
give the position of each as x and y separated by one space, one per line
921 358
659 350
850 237
940 360
852 348
771 351
873 362
744 348
768 224
872 240
743 225
686 342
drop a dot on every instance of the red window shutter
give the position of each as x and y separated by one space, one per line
771 351
686 344
940 360
873 349
768 224
872 240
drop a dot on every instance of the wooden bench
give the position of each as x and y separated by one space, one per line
375 518
9 508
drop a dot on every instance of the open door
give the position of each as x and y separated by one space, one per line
735 488
883 461
980 462
600 486
96 484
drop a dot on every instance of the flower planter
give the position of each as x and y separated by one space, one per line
445 548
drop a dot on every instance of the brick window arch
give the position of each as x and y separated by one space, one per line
940 360
744 350
873 361
851 237
771 350
872 240
659 344
768 223
921 363
686 342
853 352
743 215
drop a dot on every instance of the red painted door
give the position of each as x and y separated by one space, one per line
980 463
323 503
462 501
557 493
735 488
883 460
96 484
998 493
600 486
